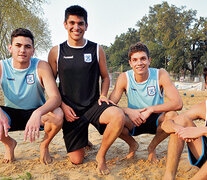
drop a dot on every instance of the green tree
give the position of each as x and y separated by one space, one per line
117 53
26 14
175 37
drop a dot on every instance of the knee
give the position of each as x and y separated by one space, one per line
76 160
118 118
58 118
171 115
77 157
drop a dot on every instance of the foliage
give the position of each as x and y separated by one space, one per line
117 53
23 13
176 39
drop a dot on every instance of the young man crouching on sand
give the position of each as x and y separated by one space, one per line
23 81
146 109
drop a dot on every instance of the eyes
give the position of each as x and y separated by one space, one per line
26 46
72 23
142 59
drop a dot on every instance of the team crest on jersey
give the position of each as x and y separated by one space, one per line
88 58
30 79
151 90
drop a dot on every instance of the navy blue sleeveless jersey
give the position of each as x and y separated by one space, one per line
79 72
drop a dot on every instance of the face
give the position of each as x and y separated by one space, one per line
139 62
22 50
76 27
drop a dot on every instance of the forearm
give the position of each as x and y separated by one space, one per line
105 86
51 104
166 107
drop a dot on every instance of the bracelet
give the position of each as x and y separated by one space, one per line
102 96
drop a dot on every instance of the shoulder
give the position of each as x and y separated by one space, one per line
54 50
122 79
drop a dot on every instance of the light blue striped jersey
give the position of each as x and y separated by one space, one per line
144 94
21 87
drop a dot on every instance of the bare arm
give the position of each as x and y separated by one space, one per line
121 86
174 102
53 101
52 60
105 81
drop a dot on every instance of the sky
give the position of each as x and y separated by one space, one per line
108 18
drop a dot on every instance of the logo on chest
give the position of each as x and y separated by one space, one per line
30 79
151 91
88 58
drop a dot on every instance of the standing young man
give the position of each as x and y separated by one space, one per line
23 81
183 129
79 64
144 88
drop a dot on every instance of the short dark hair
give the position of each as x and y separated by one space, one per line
22 32
76 10
139 46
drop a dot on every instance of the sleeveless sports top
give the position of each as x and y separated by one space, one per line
21 87
78 70
144 94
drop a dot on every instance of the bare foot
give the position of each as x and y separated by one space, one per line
152 155
9 152
44 155
132 150
169 126
102 168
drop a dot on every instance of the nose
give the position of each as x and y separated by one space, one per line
22 49
76 26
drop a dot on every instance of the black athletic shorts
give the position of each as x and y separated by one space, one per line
75 133
18 117
203 158
150 126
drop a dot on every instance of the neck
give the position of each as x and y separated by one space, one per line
76 43
141 77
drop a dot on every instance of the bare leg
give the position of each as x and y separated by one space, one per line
201 174
175 145
114 118
133 145
159 137
10 145
52 124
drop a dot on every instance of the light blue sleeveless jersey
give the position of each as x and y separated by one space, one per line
21 87
147 93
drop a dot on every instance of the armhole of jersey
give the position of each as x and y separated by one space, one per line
58 57
206 110
158 84
2 74
127 76
38 78
97 49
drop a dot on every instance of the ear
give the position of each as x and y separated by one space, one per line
130 63
10 48
65 25
86 27
149 60
33 51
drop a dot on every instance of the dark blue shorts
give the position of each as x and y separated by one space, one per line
149 127
199 162
75 133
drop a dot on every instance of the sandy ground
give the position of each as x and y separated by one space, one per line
27 156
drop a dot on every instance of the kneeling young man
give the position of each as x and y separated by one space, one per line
146 109
23 81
